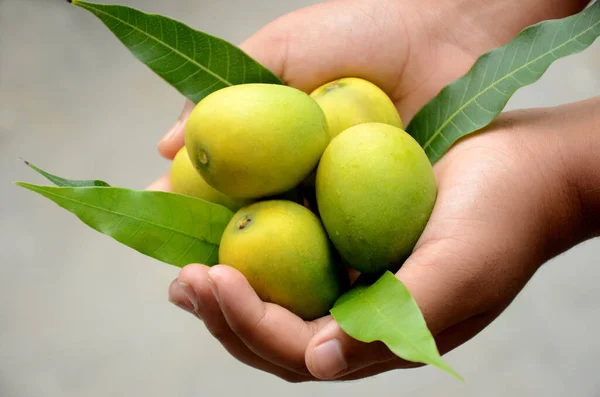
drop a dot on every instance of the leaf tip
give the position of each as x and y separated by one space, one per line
69 1
441 364
23 160
456 375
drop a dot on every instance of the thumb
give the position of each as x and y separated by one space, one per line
444 294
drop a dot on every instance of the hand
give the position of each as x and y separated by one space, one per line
409 48
462 273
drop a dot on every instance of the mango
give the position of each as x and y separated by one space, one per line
375 191
283 250
256 140
186 180
351 101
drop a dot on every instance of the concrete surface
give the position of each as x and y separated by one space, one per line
81 315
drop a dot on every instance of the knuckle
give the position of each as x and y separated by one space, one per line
262 320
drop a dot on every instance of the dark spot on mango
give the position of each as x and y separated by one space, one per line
202 157
333 86
244 222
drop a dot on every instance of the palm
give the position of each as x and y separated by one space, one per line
380 41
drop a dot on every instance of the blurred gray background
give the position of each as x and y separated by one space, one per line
81 315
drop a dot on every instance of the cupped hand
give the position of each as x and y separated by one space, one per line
409 48
502 210
488 232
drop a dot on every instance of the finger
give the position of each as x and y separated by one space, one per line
173 140
179 298
443 288
269 330
333 354
447 287
462 332
162 184
380 368
191 292
446 341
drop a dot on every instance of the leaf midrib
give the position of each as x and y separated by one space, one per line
399 331
35 188
432 360
159 41
474 98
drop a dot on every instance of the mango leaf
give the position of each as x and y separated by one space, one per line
58 181
170 227
385 311
193 62
474 100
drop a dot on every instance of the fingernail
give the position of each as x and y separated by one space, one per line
328 360
183 306
190 294
213 288
172 131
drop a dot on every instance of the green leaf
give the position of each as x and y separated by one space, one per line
58 181
385 311
170 227
193 62
473 101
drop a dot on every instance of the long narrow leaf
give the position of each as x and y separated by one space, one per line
58 181
170 227
193 62
473 101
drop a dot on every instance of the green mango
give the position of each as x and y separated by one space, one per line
351 101
282 249
375 190
256 140
186 180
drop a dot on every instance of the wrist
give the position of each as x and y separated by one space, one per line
580 147
563 143
485 24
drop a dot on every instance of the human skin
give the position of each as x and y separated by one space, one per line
510 197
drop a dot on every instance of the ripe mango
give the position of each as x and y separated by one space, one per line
256 140
186 180
351 101
375 191
282 249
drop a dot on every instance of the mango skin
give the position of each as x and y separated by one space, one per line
282 249
256 140
375 191
186 180
351 101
